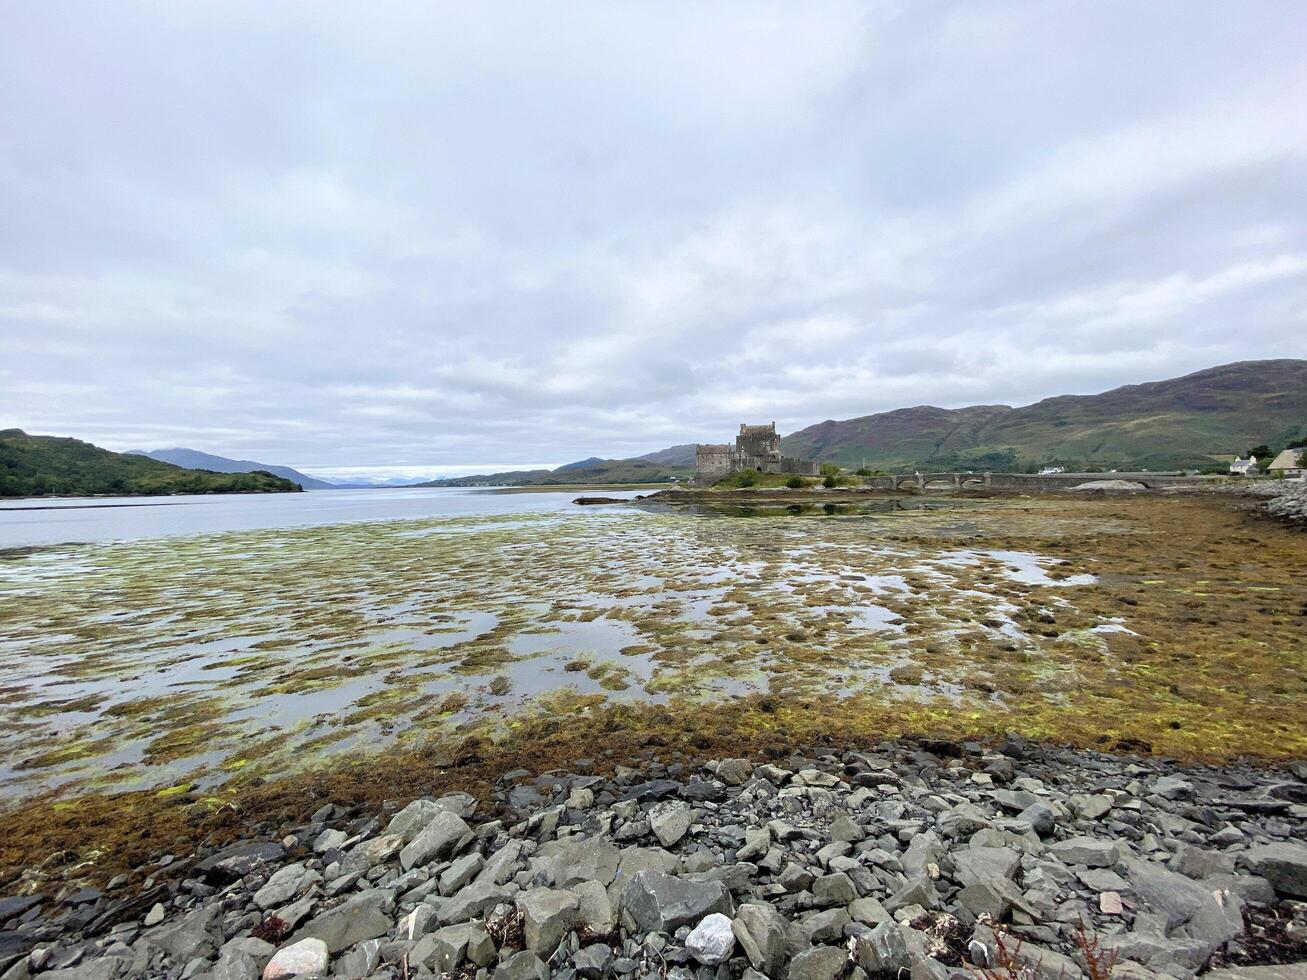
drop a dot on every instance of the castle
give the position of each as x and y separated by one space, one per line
757 447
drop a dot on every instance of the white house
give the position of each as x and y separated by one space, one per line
1289 463
1052 470
1240 466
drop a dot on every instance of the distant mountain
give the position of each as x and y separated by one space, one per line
1182 422
196 460
582 464
682 455
611 471
41 465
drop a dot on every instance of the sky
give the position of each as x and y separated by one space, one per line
423 238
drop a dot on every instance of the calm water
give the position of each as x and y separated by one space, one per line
24 523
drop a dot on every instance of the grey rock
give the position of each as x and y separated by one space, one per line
594 910
410 821
1251 889
361 961
1038 962
284 885
474 900
658 902
362 916
883 950
567 862
670 821
547 915
869 911
235 964
235 862
834 889
461 872
1283 865
983 863
328 840
522 966
593 962
764 936
757 840
444 835
1198 862
1172 788
920 891
734 772
994 898
819 963
1166 893
843 828
1041 818
1090 852
370 853
445 949
195 934
826 926
962 820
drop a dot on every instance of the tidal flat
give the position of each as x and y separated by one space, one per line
199 669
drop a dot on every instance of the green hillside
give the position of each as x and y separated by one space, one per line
614 471
1182 422
33 466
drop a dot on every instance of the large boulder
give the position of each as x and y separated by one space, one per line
547 915
658 902
366 915
1283 865
764 936
195 934
884 950
446 834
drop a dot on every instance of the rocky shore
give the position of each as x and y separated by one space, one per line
932 860
1291 503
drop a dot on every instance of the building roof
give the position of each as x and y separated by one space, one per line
1287 460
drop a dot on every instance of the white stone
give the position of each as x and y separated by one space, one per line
1109 903
712 940
308 956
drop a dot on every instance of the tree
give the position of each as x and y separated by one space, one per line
1261 452
795 482
829 482
829 469
747 478
863 471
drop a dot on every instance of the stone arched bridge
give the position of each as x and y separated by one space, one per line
1019 481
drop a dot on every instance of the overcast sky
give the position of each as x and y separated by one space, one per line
414 237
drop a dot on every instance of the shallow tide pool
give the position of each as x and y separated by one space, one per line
149 662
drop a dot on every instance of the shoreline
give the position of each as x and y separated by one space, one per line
1043 801
118 831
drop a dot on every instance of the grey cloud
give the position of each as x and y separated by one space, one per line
411 236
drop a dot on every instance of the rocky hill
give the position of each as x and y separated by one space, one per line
33 466
193 459
1182 422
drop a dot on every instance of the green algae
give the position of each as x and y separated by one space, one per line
259 653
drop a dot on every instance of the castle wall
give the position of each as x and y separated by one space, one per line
711 462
